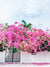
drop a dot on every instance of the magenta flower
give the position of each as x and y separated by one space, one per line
34 29
15 22
24 39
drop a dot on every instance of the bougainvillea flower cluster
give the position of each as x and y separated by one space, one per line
23 39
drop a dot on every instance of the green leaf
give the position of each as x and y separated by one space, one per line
24 22
27 25
48 48
46 43
1 47
6 24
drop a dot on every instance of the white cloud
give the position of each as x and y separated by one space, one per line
8 9
32 7
35 11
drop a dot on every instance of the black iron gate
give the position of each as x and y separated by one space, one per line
12 57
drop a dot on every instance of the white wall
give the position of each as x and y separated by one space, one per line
41 57
2 56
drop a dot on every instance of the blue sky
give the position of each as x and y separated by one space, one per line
36 12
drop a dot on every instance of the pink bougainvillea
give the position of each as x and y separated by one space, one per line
22 38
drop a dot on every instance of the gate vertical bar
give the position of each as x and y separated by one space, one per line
12 53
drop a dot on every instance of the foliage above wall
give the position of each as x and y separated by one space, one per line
23 38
